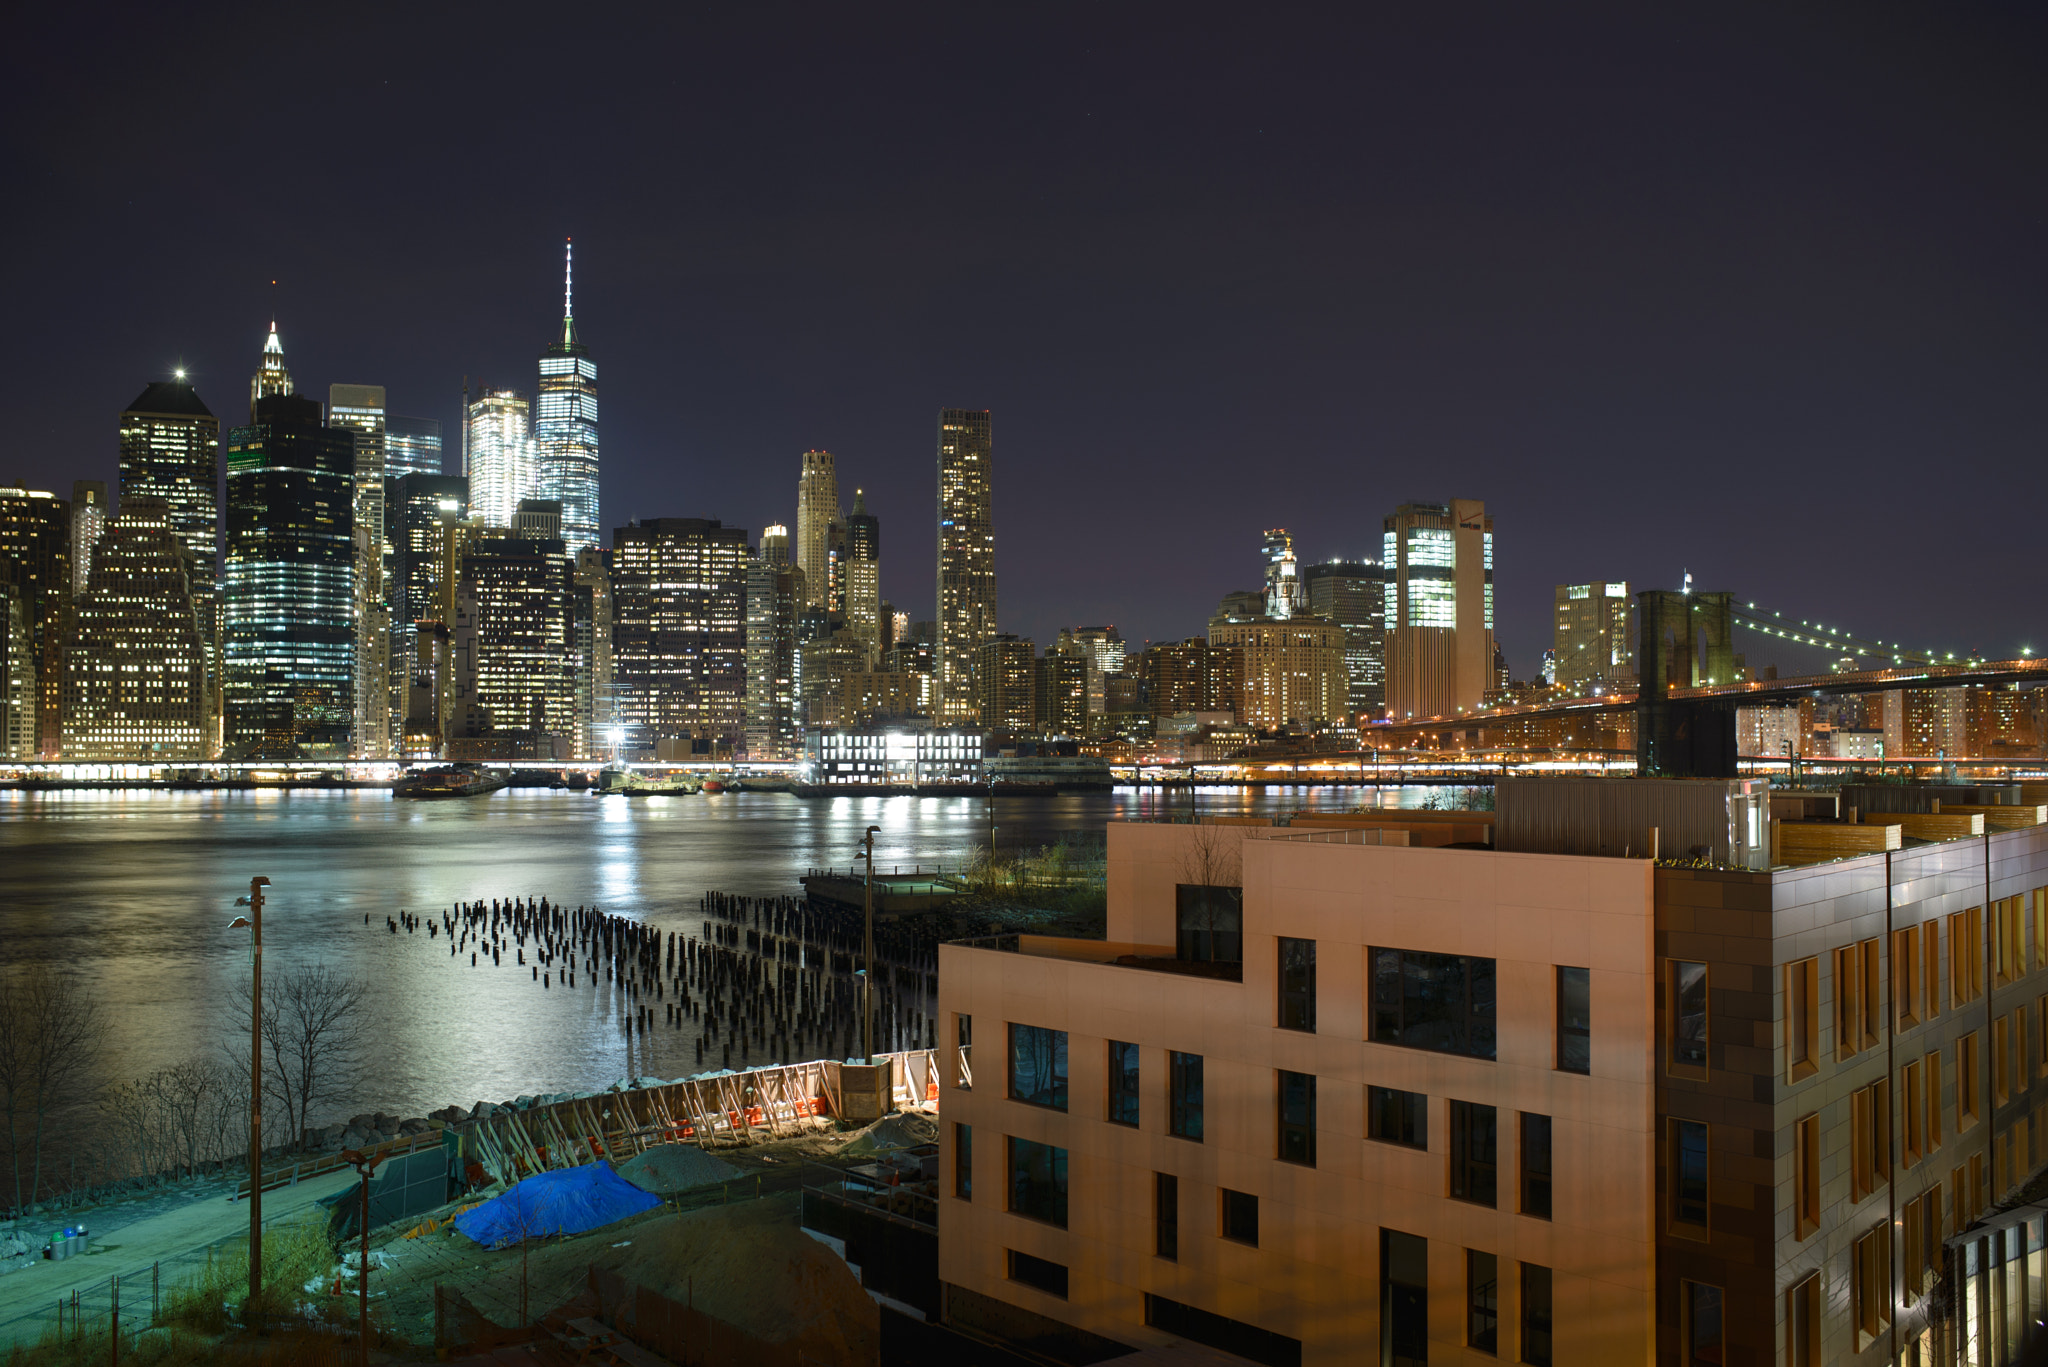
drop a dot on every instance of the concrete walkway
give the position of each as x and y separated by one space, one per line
28 1298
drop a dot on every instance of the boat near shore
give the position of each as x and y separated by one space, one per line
455 780
627 783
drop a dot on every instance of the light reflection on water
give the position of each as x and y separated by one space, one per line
135 888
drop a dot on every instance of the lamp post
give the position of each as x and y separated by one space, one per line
364 1164
254 920
867 1013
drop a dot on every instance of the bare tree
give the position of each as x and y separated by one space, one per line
1209 903
314 1033
49 1049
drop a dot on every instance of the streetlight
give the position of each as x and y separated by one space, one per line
254 920
867 1023
364 1164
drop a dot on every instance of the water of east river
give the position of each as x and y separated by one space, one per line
135 889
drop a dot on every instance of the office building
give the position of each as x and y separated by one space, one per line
18 712
1176 676
823 665
1352 593
1594 640
1103 648
863 574
967 555
773 730
499 455
1438 561
88 519
565 425
288 594
1062 703
1293 671
679 635
1283 575
359 409
871 696
898 755
918 657
1354 1093
517 589
135 678
412 446
817 513
538 519
1006 684
1925 723
170 450
590 620
271 380
419 509
35 561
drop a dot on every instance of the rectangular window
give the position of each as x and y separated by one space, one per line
1482 1301
1969 1082
1966 955
1933 1064
2039 898
1404 1299
1038 1066
1208 923
1535 1147
1806 1176
2006 949
1038 1274
2021 1077
1184 1095
1440 1002
1802 1324
1473 1147
1873 996
1239 1216
1038 1181
1913 1112
1123 1083
2041 1041
1802 1019
963 1045
1848 1003
1688 1046
1869 1139
2001 1061
1394 1117
1574 1020
1298 1118
1906 976
1165 1216
1871 1285
1297 984
1930 975
1536 1315
963 1162
1688 1167
1703 1337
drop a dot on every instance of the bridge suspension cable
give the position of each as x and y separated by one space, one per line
1835 639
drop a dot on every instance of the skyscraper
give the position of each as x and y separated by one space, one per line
967 555
1006 684
519 590
412 446
1283 580
772 730
590 622
359 409
1293 670
17 678
863 575
1594 635
88 520
1438 562
288 595
500 456
565 424
35 560
679 639
135 677
817 509
271 379
1352 593
170 450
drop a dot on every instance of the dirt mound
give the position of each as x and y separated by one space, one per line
903 1130
668 1168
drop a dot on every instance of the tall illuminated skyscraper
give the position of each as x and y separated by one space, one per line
679 635
271 378
1438 562
88 520
499 455
1352 594
1283 579
967 555
565 425
412 446
817 509
170 449
863 572
360 409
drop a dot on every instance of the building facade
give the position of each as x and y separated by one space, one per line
18 711
565 425
1438 562
773 732
1006 684
170 450
1594 641
1294 671
1352 593
679 638
89 513
523 656
1284 595
359 408
590 621
412 446
967 554
1063 693
863 575
498 455
135 676
817 513
35 561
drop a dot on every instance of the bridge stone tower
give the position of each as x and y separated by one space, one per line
1687 641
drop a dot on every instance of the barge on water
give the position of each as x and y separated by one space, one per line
455 780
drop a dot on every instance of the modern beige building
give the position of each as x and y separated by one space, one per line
1294 670
1438 561
1594 634
817 509
1347 1093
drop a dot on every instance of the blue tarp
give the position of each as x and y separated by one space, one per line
566 1202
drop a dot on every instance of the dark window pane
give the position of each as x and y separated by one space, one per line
1473 1144
963 1162
1038 1066
1536 1165
1482 1301
1535 1315
1247 1341
1574 1020
1298 1118
1689 1015
1049 1277
1689 1172
1165 1215
1240 1217
1297 984
964 1038
1441 1002
1123 1083
1184 1095
1397 1117
1703 1326
1404 1299
1038 1181
1209 923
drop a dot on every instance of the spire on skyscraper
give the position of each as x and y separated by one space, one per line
568 292
565 423
271 377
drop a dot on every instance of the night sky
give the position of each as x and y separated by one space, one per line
1711 287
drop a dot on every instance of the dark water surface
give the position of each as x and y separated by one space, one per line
135 890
